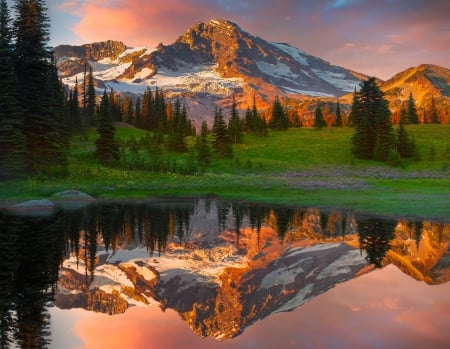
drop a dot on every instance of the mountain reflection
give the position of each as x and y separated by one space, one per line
221 265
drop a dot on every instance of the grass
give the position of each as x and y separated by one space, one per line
301 167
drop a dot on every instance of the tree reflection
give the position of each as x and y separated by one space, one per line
374 237
32 250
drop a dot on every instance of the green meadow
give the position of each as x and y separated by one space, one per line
300 166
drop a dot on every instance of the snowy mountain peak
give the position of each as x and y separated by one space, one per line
206 65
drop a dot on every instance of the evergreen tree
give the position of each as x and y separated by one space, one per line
403 116
319 122
178 128
40 90
137 114
204 156
222 144
129 111
406 145
90 99
434 114
12 142
339 122
75 123
412 110
373 136
234 125
107 149
279 120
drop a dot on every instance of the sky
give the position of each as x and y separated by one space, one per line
375 37
361 313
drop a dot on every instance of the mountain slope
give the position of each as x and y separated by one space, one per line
213 60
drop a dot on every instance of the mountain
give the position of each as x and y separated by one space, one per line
212 61
219 290
425 82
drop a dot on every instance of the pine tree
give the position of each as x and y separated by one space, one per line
373 136
434 114
90 99
413 118
107 149
234 125
76 126
40 91
319 122
222 144
12 143
204 155
279 120
339 122
406 145
178 128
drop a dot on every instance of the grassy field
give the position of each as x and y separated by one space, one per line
302 167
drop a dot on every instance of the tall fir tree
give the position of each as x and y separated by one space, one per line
107 148
339 122
90 99
433 112
413 118
406 145
373 136
234 124
40 97
204 154
222 144
279 120
319 122
12 142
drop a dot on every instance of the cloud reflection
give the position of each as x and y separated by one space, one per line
382 309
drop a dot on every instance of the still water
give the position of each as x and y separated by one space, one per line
207 273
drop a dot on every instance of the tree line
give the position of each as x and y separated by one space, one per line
33 135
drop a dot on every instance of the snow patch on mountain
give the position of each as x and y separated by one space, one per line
276 70
337 79
299 55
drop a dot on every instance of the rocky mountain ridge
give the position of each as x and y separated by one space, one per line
214 60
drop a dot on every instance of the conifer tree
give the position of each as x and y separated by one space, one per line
373 136
339 122
90 99
107 149
234 125
222 144
12 142
319 122
434 114
75 122
178 128
412 110
40 91
204 155
406 145
279 120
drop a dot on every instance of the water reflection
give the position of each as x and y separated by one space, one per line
220 265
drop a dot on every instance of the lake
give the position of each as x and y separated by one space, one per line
209 273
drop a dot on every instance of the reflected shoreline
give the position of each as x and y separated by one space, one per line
221 265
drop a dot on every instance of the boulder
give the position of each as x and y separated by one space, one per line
42 207
72 199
